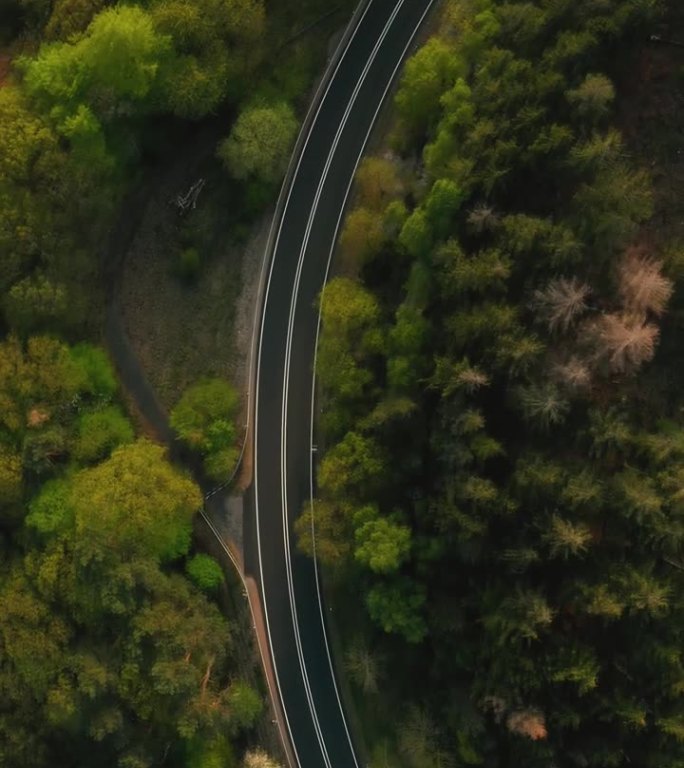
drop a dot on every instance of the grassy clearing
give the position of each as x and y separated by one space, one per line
183 328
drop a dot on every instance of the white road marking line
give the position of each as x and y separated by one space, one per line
283 455
272 249
313 375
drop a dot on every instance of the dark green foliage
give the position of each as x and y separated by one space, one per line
525 406
216 43
245 705
396 608
50 210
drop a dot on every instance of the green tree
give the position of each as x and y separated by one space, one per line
133 504
216 753
351 335
323 530
408 337
70 17
35 303
245 705
205 572
354 465
578 666
362 237
427 75
34 639
44 450
441 204
377 182
416 234
609 209
37 381
484 273
11 477
520 616
35 183
593 97
396 607
94 370
543 405
204 418
259 143
51 511
217 43
565 538
99 433
114 63
381 544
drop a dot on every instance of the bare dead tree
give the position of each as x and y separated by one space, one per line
572 373
471 378
257 758
527 722
483 218
642 285
363 666
450 376
625 341
561 302
419 741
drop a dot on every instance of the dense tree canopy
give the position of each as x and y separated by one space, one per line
107 652
110 653
501 393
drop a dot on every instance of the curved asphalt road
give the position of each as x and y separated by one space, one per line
304 236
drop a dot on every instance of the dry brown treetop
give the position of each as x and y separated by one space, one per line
471 378
527 722
625 341
642 286
573 373
561 302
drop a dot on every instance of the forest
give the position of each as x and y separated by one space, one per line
500 376
117 642
500 379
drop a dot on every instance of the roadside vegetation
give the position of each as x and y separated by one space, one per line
204 419
500 377
189 277
113 650
107 653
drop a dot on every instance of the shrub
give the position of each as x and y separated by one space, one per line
205 572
